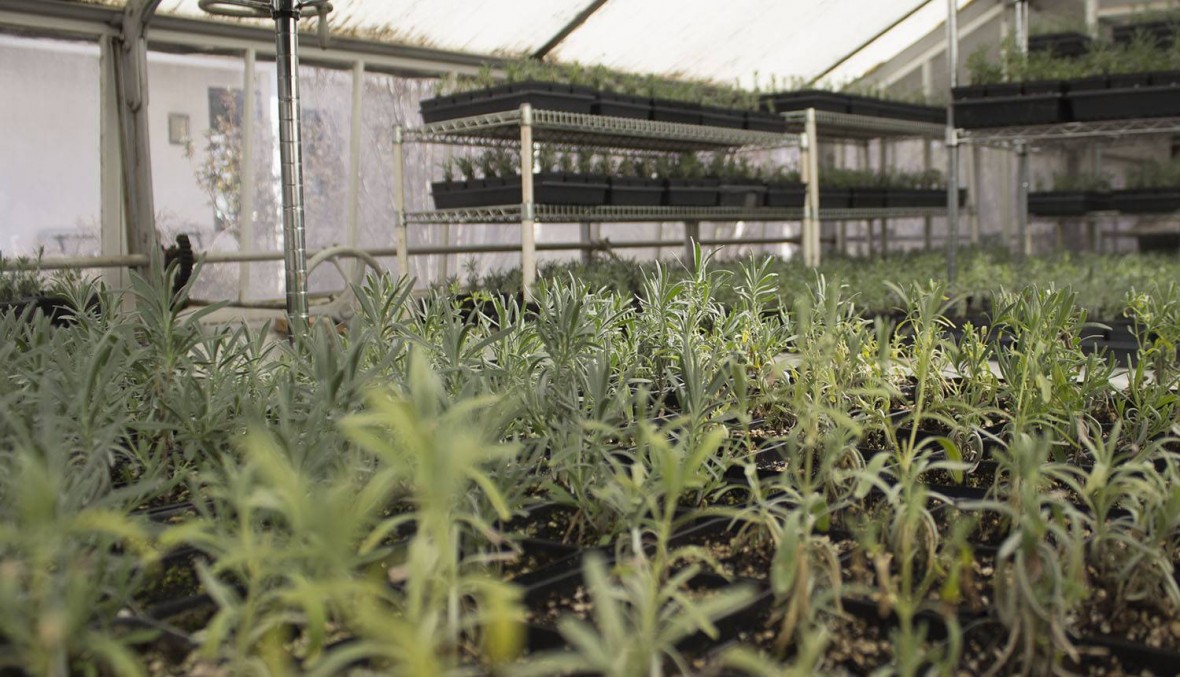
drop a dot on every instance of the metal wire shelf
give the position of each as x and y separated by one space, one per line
869 214
607 213
832 125
594 130
1109 129
611 213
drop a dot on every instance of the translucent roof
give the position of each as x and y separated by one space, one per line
730 41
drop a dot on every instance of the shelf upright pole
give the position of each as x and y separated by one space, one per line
1022 198
692 235
528 235
882 162
952 142
246 171
286 18
400 232
927 222
1020 23
811 206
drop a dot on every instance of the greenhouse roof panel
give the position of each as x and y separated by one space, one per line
701 39
781 38
492 27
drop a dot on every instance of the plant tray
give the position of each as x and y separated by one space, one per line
502 98
683 112
866 198
691 192
804 99
915 197
751 193
731 118
1125 103
1009 111
1163 32
1060 45
548 188
622 106
634 191
1067 203
765 121
1146 200
785 195
835 198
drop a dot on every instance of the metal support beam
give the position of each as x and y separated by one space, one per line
135 143
568 29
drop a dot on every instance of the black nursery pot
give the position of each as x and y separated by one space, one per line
635 191
502 98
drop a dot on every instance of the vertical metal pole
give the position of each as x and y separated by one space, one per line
1022 198
399 203
246 172
286 18
528 235
952 142
1092 17
355 150
692 235
111 229
1021 26
927 222
976 184
811 222
587 238
882 163
862 158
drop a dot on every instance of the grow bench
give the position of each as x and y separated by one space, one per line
523 127
818 125
1022 138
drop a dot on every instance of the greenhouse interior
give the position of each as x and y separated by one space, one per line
589 337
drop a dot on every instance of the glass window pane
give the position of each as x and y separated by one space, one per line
50 181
